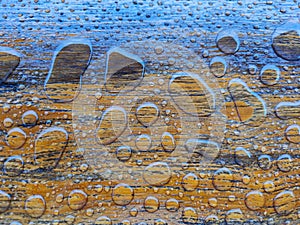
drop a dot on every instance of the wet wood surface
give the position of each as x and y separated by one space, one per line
149 112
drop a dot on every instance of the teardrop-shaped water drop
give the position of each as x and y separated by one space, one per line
124 71
70 60
49 147
191 94
9 60
112 124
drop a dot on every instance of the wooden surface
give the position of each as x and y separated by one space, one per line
213 84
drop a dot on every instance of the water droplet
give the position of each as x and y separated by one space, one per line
49 147
15 223
250 107
16 138
70 219
255 200
269 74
133 212
228 41
168 142
190 182
269 186
211 220
151 204
29 118
124 71
35 206
246 179
112 124
77 199
265 162
218 66
9 60
160 222
286 40
157 173
202 150
143 142
213 202
234 216
172 205
122 194
191 94
285 202
123 153
242 156
69 63
147 113
59 198
288 110
13 166
103 220
292 133
285 162
223 179
189 215
5 201
8 122
159 49
125 222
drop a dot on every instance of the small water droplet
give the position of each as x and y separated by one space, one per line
147 113
292 133
213 202
269 186
123 153
285 162
168 142
288 110
242 156
103 220
5 201
8 122
228 41
172 205
189 215
265 162
234 216
218 66
143 142
190 182
29 118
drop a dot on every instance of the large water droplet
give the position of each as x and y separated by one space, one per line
143 142
13 166
191 94
103 220
35 206
9 60
255 200
189 215
124 71
151 204
122 194
228 41
218 66
69 63
292 133
202 150
285 202
288 110
269 74
211 219
112 124
157 173
5 201
160 222
190 182
49 147
250 107
15 223
242 156
147 113
77 199
223 179
234 216
172 205
286 40
29 118
16 138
